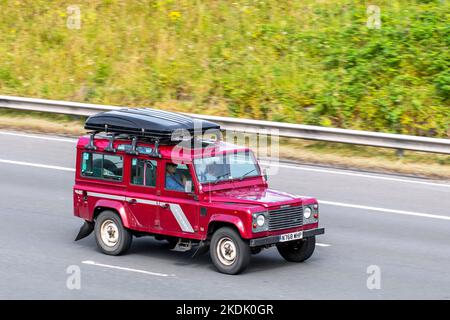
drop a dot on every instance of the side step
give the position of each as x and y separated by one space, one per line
182 246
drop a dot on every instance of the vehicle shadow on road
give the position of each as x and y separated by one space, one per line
267 260
149 248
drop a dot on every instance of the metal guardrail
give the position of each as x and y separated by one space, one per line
287 130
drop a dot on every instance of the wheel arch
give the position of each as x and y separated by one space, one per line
114 206
222 220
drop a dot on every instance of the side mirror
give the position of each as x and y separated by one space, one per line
265 174
188 190
193 195
188 187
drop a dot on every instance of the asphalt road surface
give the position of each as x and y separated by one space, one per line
399 226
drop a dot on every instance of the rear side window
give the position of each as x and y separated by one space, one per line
143 172
102 166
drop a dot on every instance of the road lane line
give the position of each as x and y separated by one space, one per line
263 162
357 206
355 174
37 165
92 263
41 137
409 213
323 244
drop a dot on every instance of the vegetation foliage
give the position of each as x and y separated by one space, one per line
302 61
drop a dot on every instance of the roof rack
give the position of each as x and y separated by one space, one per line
159 127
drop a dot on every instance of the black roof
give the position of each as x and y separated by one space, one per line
147 123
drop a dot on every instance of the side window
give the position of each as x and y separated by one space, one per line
143 172
178 178
102 166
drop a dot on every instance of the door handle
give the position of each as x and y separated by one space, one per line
132 201
165 205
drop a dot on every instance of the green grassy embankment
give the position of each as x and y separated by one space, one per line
302 61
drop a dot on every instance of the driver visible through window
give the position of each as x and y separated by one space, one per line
178 177
222 167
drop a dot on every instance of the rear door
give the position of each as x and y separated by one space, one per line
142 198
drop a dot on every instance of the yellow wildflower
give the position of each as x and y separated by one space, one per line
175 15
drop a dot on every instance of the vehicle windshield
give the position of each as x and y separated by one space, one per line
237 165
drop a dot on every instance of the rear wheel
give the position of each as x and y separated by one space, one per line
297 251
229 253
110 234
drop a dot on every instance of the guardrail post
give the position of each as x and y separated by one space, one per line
400 153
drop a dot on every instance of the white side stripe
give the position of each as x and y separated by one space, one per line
181 217
143 201
106 196
176 210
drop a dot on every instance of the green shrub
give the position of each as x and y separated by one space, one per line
301 61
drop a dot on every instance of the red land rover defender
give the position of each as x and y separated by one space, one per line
143 172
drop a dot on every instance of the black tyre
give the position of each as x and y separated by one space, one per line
229 253
297 251
110 234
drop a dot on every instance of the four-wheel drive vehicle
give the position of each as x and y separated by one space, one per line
133 180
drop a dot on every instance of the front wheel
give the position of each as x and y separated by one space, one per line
229 253
297 251
110 234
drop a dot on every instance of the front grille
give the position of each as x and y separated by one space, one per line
285 218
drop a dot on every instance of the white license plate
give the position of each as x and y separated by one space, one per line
291 236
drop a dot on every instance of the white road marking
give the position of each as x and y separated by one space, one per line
127 269
361 175
330 171
322 244
340 204
37 165
41 137
409 213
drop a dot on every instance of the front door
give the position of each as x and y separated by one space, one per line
179 211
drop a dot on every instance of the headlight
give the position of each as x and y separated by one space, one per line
307 212
260 220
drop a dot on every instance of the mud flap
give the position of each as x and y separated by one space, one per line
85 230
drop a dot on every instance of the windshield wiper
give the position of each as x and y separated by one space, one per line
219 178
246 174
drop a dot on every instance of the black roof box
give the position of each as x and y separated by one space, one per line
147 123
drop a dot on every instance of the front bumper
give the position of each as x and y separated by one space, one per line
275 239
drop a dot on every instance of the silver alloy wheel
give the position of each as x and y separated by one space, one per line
109 233
226 251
